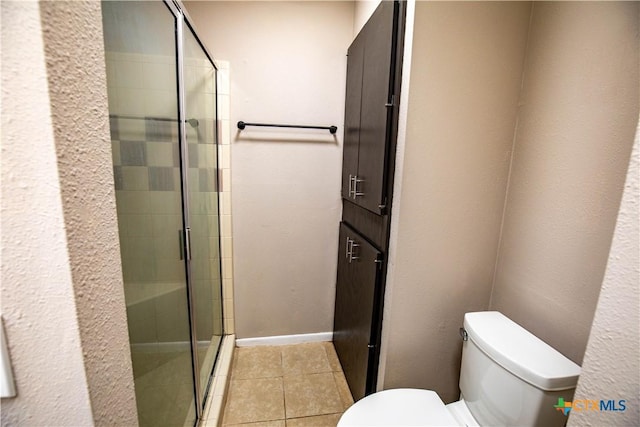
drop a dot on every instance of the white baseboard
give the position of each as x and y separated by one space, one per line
285 339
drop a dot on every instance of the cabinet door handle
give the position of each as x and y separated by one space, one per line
348 251
356 181
351 177
353 245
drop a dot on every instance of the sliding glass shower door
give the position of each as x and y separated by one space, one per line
202 177
162 105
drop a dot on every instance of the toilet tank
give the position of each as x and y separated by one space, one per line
510 377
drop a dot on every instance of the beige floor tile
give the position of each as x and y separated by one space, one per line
343 389
334 362
301 359
257 362
317 421
277 423
254 400
315 394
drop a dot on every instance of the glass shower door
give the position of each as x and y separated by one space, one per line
200 107
141 54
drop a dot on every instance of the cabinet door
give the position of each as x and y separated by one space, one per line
356 288
355 62
367 109
375 111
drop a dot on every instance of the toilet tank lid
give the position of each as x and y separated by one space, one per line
520 352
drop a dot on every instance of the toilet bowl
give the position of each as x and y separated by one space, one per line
399 407
508 377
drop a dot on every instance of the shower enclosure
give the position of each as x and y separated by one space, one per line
161 85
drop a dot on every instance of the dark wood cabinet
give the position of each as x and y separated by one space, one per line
370 130
359 267
368 108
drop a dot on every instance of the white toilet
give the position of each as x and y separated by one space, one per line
508 377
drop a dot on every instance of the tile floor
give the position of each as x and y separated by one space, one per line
286 386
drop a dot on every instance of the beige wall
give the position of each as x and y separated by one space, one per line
363 10
63 301
287 65
37 290
610 374
579 109
466 68
469 234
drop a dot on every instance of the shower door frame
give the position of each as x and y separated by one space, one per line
182 19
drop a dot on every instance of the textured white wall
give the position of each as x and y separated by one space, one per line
74 51
611 365
63 299
37 290
288 65
577 118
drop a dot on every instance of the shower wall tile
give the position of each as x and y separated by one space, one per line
224 164
223 81
161 178
223 106
170 270
159 75
166 247
226 226
164 202
226 183
131 101
117 177
207 180
131 74
225 129
133 153
131 129
114 127
115 153
227 268
224 151
160 103
227 247
135 178
225 200
206 156
159 130
162 154
139 225
193 152
160 223
133 202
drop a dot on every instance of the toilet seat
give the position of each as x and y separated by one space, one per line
398 407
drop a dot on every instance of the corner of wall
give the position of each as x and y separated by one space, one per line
74 52
610 374
397 190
